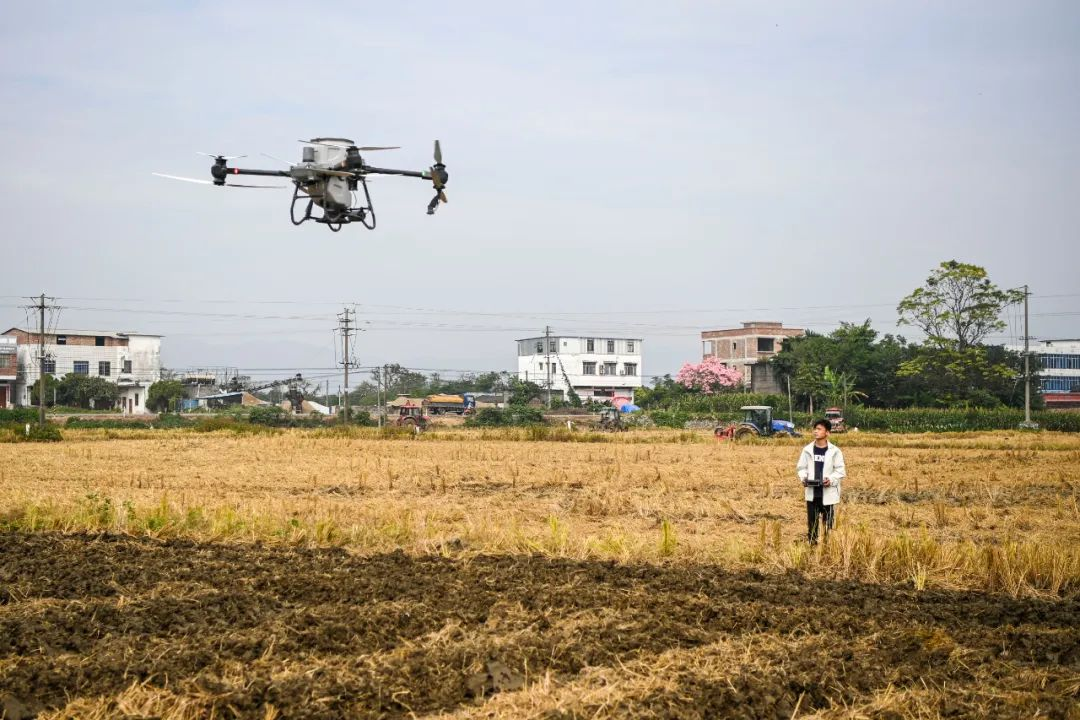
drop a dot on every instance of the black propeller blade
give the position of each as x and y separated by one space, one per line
439 178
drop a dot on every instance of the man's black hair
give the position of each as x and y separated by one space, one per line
824 422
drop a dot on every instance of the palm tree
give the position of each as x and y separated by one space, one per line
840 388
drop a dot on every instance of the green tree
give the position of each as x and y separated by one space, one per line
400 380
665 393
522 392
958 306
51 384
840 388
86 392
852 350
162 395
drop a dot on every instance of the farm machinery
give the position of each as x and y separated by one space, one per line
757 422
611 419
836 418
412 416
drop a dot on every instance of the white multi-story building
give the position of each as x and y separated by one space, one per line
1057 362
131 360
595 367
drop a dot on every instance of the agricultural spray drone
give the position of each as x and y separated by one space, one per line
331 175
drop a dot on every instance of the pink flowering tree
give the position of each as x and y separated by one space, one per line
709 376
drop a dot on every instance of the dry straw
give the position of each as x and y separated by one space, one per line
990 511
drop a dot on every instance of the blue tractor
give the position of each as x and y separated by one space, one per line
757 422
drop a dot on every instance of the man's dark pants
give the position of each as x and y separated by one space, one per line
816 510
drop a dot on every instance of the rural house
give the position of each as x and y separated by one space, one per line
131 360
748 349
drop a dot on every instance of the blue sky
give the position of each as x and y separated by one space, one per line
620 168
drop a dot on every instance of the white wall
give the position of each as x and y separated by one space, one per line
144 351
573 353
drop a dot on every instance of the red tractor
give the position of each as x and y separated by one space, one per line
836 418
412 416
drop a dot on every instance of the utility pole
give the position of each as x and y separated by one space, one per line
345 321
385 382
41 364
40 305
547 347
1027 363
790 407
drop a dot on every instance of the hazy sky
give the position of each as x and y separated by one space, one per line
635 169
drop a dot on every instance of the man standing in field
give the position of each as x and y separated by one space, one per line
820 468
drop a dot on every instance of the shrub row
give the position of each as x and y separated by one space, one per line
956 420
906 420
16 432
513 416
162 421
723 403
18 415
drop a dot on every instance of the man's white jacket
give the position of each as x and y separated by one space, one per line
833 470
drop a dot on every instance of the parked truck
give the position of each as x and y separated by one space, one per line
418 411
456 404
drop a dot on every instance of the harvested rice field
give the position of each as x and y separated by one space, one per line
178 574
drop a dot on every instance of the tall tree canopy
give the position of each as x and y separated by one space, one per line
958 306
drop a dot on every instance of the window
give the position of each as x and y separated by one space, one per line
539 346
611 346
50 366
136 399
734 346
82 367
1060 362
765 344
104 368
590 345
588 368
99 341
553 346
61 339
629 346
609 369
1060 384
630 368
127 366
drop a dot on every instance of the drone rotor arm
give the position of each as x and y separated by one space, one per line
423 175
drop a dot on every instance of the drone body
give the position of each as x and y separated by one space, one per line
331 175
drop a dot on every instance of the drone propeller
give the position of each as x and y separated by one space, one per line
335 173
439 177
363 148
211 182
272 157
221 157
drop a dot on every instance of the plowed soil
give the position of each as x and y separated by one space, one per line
110 626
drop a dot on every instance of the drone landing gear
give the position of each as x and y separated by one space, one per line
365 215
